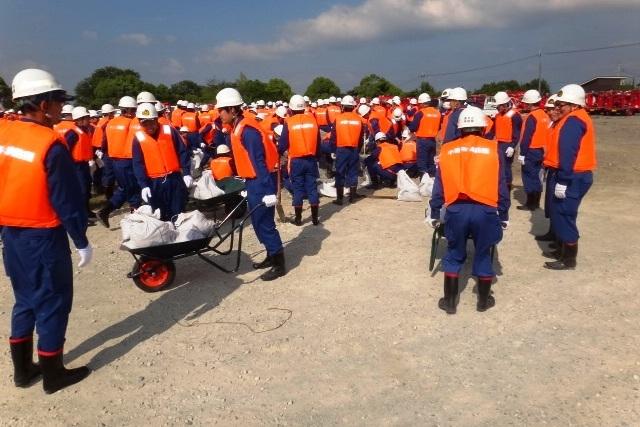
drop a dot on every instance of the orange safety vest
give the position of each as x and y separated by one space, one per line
241 155
348 129
98 134
160 157
134 127
162 120
389 155
377 111
321 116
176 117
469 168
429 124
23 149
332 113
303 135
118 145
504 126
443 125
63 127
489 125
190 120
586 158
384 124
210 134
408 152
83 150
221 168
542 131
204 118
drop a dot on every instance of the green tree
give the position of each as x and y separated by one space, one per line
277 89
503 85
163 93
251 90
425 87
374 85
5 94
211 89
110 77
533 84
186 89
322 87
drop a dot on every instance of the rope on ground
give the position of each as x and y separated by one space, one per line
225 322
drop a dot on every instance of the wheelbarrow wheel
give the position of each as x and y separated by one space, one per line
153 275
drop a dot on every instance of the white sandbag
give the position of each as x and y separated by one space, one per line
367 178
142 231
328 189
193 225
426 185
205 187
129 221
408 191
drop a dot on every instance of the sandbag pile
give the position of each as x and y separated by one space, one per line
205 187
408 191
193 225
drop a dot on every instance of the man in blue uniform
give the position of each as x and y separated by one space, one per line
457 98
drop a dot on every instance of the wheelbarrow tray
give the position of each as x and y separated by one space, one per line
171 250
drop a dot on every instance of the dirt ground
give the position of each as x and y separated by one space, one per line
352 334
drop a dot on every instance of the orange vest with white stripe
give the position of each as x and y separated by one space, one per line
586 158
303 135
98 134
504 126
160 157
332 113
82 151
541 133
23 150
176 117
429 124
221 168
469 168
63 127
348 129
321 116
190 120
408 152
241 155
389 155
204 118
118 144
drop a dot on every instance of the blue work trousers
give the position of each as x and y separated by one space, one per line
127 189
564 212
425 154
84 178
262 218
304 177
531 179
347 160
507 162
169 194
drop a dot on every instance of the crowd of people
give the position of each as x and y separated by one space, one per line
139 152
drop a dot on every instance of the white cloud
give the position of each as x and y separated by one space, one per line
139 39
377 20
89 35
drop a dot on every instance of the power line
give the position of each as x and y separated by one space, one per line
593 49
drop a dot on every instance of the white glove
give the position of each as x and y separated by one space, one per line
560 191
432 222
202 145
99 154
92 164
243 193
509 151
333 156
146 194
521 160
505 225
85 255
197 151
270 200
188 181
436 159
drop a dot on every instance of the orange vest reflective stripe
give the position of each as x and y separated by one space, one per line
504 126
332 113
389 155
221 168
542 131
204 118
63 127
176 117
303 135
321 116
586 158
98 134
24 192
348 129
118 144
82 151
429 124
470 166
241 155
443 126
160 157
190 120
408 152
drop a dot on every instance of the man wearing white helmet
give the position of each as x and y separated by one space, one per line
457 99
161 164
108 113
145 96
532 142
507 126
78 141
411 109
256 159
380 123
384 162
40 203
192 122
333 109
117 156
347 137
66 122
470 182
301 139
570 158
176 115
425 125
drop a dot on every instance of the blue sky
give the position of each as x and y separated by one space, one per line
168 41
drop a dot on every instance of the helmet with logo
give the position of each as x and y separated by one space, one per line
146 111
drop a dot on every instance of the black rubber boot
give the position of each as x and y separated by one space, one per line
374 184
56 377
265 263
568 259
536 200
24 370
353 195
339 196
485 300
549 236
448 302
315 210
278 269
528 204
298 218
103 214
555 251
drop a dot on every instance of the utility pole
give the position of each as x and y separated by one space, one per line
539 70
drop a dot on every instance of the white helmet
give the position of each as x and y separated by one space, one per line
223 149
269 103
320 102
501 98
260 103
127 102
423 98
458 94
314 105
296 103
531 96
278 130
107 109
146 110
573 94
551 101
191 106
472 117
204 107
67 109
363 110
363 100
396 100
375 101
338 99
79 112
281 112
228 97
332 99
285 104
380 136
414 101
397 113
348 100
93 113
306 99
33 81
145 96
160 107
445 93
